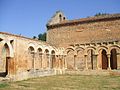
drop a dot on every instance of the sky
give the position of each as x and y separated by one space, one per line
29 17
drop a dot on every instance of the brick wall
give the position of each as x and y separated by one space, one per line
84 33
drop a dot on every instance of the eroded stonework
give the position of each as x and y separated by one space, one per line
86 44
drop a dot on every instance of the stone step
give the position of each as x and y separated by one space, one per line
4 79
93 72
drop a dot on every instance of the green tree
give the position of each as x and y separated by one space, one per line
41 37
34 37
101 14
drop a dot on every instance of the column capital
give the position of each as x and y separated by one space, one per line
108 55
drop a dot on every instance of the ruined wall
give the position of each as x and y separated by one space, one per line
23 60
84 33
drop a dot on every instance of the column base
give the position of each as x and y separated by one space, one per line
108 68
99 68
86 69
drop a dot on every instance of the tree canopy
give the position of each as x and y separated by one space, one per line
41 36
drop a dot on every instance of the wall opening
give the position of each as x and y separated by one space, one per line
70 59
39 58
60 17
4 61
104 59
46 62
31 53
113 59
53 59
92 60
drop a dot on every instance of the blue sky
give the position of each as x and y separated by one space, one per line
29 17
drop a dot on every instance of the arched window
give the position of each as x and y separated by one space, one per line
60 17
113 59
39 59
46 56
31 50
31 53
64 18
39 51
47 53
4 61
104 59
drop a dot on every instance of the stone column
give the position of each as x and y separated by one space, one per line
65 61
49 60
98 62
41 57
86 65
109 67
33 60
75 65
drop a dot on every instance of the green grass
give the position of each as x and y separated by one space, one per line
67 82
3 85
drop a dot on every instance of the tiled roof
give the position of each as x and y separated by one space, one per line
87 20
5 33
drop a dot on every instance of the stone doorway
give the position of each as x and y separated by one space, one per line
104 59
4 61
113 59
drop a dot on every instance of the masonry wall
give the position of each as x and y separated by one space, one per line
22 61
84 33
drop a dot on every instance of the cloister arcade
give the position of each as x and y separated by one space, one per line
89 57
45 57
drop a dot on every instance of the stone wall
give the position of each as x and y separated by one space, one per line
84 33
24 55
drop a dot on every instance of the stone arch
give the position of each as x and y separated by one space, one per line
104 59
40 47
32 45
38 61
47 49
114 51
5 59
46 58
113 58
90 48
31 55
79 49
79 59
31 49
68 49
101 48
114 47
70 58
91 57
1 39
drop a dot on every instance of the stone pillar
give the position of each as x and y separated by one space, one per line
49 60
99 67
86 65
75 64
109 67
33 60
65 61
41 57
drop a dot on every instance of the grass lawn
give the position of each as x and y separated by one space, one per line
65 82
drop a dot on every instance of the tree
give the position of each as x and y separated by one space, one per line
34 37
101 14
41 37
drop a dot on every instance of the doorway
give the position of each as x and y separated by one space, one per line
104 59
113 59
